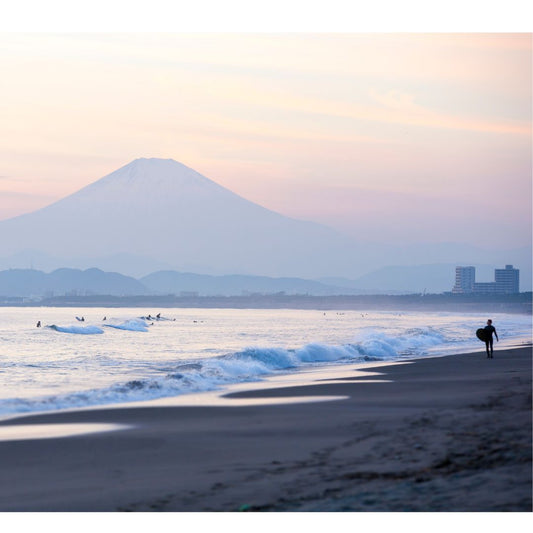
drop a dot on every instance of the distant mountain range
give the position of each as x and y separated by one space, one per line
28 283
159 215
93 281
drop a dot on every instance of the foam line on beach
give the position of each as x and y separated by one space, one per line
314 376
252 364
54 431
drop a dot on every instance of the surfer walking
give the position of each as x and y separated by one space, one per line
489 330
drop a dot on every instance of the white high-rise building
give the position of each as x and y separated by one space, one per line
465 277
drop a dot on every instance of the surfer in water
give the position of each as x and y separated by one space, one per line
39 324
489 330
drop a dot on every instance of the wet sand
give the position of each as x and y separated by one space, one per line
442 434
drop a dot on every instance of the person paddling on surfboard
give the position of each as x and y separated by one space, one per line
489 330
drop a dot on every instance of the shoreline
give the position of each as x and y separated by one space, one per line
444 433
301 376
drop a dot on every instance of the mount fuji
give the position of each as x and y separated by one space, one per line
160 212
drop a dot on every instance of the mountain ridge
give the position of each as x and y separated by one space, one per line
189 227
156 214
93 281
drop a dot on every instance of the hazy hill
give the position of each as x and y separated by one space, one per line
20 282
416 279
128 264
27 282
169 282
23 282
403 279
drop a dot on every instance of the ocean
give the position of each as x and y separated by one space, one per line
131 356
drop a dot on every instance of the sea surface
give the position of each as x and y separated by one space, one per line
68 363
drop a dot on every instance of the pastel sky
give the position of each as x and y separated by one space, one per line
405 137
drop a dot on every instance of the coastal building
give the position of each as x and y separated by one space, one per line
465 277
486 287
506 281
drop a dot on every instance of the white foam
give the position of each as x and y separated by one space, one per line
78 330
134 324
251 364
53 431
187 363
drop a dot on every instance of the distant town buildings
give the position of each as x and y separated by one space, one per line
506 281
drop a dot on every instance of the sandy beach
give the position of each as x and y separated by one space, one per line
442 434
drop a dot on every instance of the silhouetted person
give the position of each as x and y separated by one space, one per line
39 324
105 318
158 315
489 330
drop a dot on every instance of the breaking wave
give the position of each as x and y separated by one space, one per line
251 364
134 324
78 330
